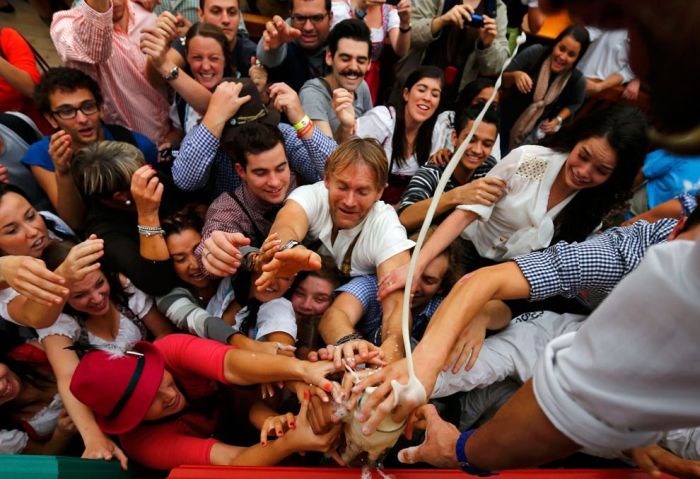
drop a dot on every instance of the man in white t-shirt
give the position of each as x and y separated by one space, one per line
361 233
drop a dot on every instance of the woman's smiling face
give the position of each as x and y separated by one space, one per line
206 60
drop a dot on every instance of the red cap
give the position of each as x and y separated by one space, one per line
119 389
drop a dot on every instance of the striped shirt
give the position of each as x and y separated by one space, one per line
424 183
89 41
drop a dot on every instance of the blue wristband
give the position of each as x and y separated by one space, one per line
462 457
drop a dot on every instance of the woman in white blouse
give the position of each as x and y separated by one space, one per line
405 132
556 192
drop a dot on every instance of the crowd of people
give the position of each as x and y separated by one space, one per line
202 237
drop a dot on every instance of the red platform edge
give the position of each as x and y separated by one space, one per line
244 472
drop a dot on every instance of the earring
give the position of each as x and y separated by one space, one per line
127 202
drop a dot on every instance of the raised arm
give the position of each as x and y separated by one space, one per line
84 33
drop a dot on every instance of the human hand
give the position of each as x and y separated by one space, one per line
303 438
395 393
4 176
225 102
81 260
61 152
488 32
458 15
655 460
147 192
404 11
438 448
258 75
523 82
286 100
441 157
484 191
155 44
221 255
396 280
288 263
468 345
277 33
353 352
65 426
30 278
342 103
631 91
277 425
550 126
168 25
267 390
592 87
321 414
101 447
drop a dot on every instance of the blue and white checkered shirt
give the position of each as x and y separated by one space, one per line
365 289
200 157
596 265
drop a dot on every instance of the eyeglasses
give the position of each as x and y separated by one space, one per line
314 19
88 107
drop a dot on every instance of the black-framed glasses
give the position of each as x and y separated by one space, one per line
302 19
66 112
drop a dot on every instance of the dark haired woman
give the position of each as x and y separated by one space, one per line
404 132
554 193
548 89
32 418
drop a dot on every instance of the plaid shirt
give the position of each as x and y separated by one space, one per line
365 289
596 265
252 217
200 158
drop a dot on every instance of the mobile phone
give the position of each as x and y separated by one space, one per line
392 2
477 21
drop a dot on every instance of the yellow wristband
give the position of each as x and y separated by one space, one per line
302 123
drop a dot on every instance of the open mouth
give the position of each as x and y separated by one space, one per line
39 242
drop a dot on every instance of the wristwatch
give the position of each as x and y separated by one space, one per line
172 74
462 457
289 245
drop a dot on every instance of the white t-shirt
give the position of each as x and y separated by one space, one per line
381 233
276 316
13 441
379 123
519 223
632 369
128 335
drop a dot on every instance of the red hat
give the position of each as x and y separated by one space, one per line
119 389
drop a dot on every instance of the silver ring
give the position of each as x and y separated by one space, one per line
206 254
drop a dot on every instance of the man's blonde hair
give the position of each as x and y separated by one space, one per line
360 150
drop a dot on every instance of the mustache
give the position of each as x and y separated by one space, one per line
357 73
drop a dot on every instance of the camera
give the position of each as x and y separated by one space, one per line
477 21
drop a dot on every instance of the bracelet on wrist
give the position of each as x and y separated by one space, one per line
347 338
405 30
460 452
304 131
303 123
149 231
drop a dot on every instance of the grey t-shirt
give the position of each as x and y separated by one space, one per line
318 103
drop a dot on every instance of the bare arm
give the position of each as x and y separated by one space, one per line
157 324
413 216
18 79
392 342
290 223
64 362
340 318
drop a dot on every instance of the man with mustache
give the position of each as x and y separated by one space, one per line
348 56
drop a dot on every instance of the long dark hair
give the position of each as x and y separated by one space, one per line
425 132
579 33
624 128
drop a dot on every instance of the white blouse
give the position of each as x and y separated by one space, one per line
519 223
273 317
13 441
128 335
